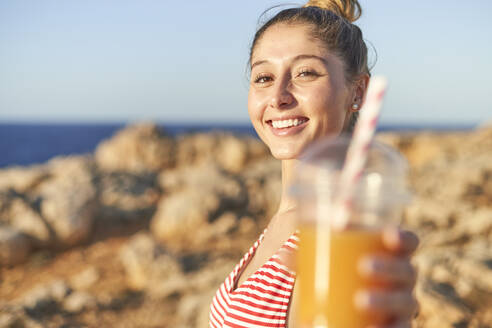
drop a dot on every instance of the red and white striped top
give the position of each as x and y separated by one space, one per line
263 299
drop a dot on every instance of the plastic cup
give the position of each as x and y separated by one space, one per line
328 256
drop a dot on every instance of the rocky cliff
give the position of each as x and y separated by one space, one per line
142 232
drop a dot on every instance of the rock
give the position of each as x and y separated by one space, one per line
211 275
11 316
182 212
174 285
135 257
257 150
232 154
423 149
442 273
204 193
29 323
42 296
427 258
206 176
454 282
58 289
203 310
193 310
126 196
16 317
22 179
77 302
8 320
137 148
187 310
172 180
85 279
468 226
148 267
426 212
263 183
440 305
224 224
452 213
477 271
14 246
195 149
476 223
25 219
444 238
69 200
480 247
194 306
247 226
464 175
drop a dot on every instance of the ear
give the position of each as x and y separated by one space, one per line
359 91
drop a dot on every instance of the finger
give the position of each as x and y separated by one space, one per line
400 241
402 324
386 270
399 304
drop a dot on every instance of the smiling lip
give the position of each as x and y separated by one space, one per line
287 126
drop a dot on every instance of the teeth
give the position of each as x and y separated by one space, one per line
287 123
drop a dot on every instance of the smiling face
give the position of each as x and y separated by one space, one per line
298 92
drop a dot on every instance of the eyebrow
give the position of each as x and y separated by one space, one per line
296 58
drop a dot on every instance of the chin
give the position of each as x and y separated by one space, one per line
285 153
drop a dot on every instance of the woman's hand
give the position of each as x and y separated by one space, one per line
392 301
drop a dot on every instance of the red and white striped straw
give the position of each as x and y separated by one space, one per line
357 152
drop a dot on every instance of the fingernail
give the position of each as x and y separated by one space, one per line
392 237
362 299
367 266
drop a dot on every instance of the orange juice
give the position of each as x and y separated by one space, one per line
327 298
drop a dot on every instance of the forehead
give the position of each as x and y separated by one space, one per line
281 40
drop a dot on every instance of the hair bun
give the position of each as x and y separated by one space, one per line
348 9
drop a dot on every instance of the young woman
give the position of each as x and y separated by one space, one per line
309 75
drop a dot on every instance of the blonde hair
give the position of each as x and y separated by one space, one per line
348 9
331 22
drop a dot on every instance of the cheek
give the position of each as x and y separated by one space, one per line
255 108
256 111
330 113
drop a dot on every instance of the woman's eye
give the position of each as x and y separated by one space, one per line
308 73
263 79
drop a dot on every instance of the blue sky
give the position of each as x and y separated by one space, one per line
185 61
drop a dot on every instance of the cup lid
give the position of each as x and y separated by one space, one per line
385 168
381 158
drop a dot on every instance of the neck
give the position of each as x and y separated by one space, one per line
287 202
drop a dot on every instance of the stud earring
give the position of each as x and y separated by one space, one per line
355 106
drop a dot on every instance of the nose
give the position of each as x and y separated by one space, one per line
282 97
